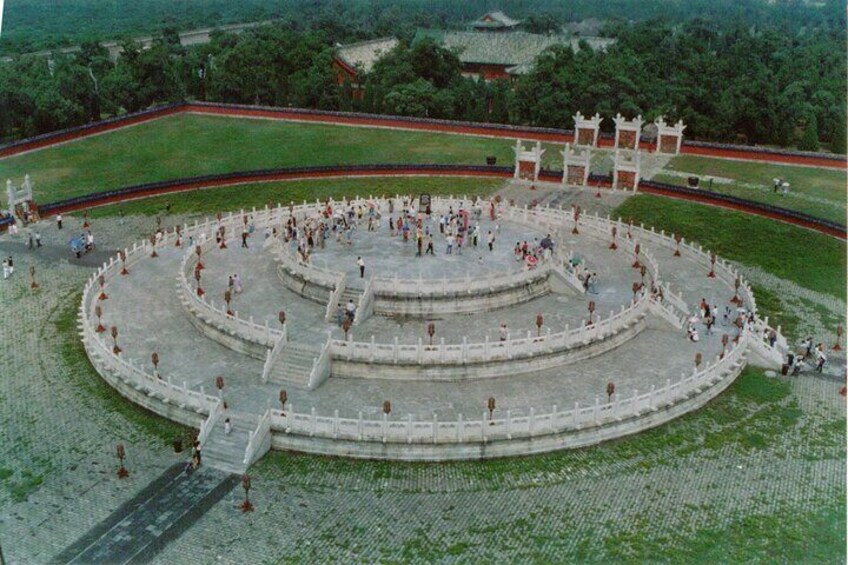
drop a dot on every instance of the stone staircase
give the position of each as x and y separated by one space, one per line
295 364
226 451
350 294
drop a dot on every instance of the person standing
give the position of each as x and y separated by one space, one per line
807 345
821 358
59 221
593 283
195 454
361 264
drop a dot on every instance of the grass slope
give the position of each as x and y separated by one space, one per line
188 145
820 192
811 259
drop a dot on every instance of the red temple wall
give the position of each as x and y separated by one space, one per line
576 174
526 170
627 139
585 136
626 179
668 144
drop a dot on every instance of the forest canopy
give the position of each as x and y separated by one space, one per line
755 72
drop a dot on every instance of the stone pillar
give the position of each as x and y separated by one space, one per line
625 174
528 162
586 130
575 167
10 195
669 137
19 197
26 188
627 132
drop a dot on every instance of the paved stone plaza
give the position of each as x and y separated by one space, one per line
150 318
59 424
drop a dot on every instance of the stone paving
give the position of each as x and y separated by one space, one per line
145 308
621 501
385 255
264 294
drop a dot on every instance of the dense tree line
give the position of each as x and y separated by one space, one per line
735 84
728 82
31 25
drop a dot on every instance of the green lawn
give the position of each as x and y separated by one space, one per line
820 192
811 259
258 195
187 145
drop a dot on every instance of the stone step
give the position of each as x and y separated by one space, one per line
297 358
294 365
227 443
226 451
226 465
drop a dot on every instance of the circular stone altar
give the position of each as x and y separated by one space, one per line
469 354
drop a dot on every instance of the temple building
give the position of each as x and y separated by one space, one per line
355 59
493 47
497 49
494 21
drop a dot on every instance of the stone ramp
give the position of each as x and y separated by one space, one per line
141 527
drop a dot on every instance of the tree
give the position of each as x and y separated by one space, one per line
810 138
838 145
120 89
544 23
416 99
